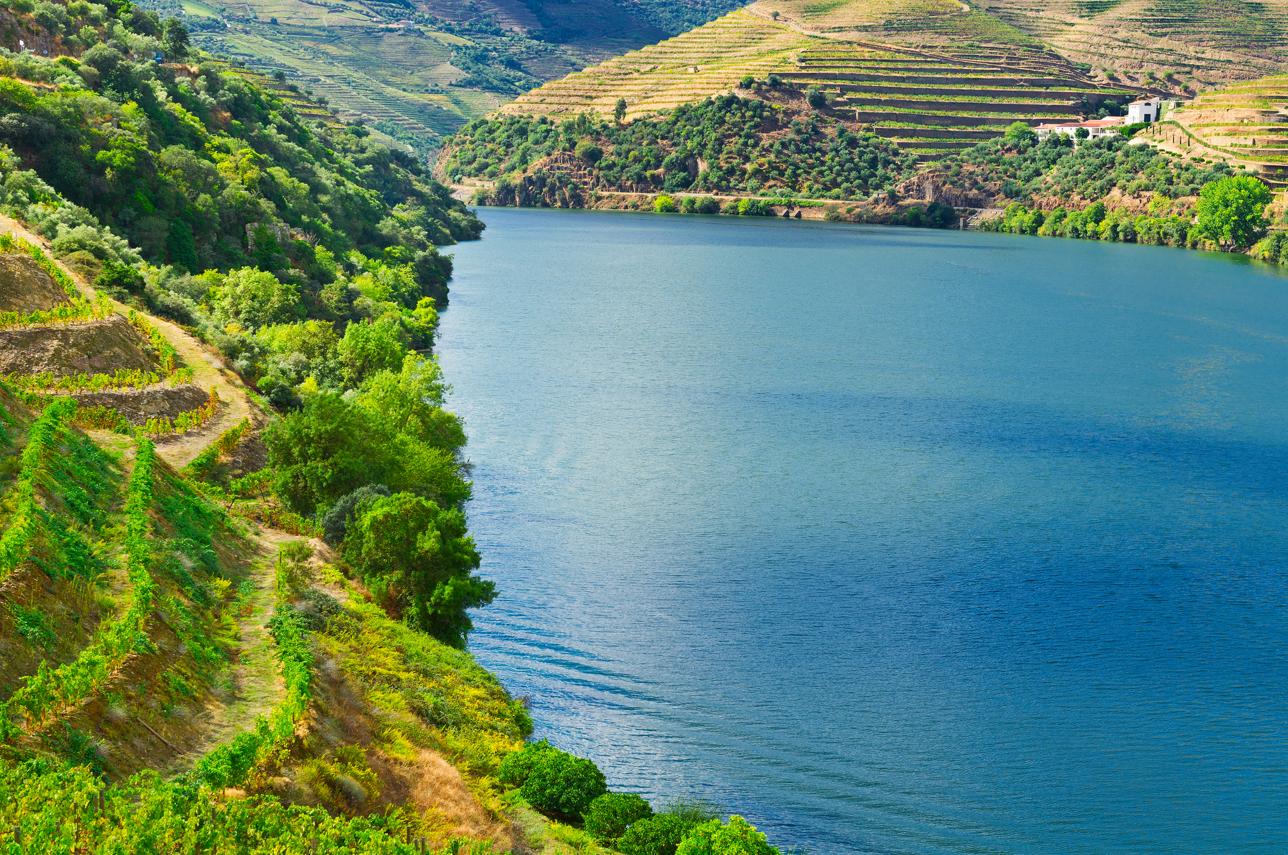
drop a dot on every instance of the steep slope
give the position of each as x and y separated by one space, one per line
263 650
933 76
1244 123
418 70
1159 42
145 629
120 365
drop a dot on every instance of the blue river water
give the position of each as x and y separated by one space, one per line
890 540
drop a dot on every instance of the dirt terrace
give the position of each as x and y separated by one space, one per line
25 287
93 347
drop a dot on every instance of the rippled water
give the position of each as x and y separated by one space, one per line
893 541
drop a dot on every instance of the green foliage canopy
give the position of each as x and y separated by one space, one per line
554 782
1231 211
737 837
418 560
611 814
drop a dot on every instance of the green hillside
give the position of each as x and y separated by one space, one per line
418 70
235 569
930 76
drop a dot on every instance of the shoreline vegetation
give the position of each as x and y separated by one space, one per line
318 549
738 155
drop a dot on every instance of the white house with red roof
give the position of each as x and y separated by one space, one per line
1095 128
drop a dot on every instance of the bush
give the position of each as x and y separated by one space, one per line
557 783
518 765
611 814
589 152
665 204
336 522
738 837
655 835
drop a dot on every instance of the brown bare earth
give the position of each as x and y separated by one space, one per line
25 287
139 405
92 347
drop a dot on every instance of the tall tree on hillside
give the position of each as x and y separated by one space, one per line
1231 211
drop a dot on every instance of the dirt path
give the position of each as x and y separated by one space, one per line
208 370
257 675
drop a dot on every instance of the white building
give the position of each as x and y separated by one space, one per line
1095 128
1146 110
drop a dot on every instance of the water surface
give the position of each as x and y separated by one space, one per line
891 540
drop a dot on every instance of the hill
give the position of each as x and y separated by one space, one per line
236 575
1191 43
418 69
933 76
1243 123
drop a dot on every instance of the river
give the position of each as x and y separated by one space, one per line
890 540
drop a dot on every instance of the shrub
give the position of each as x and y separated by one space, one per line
518 765
738 837
554 782
655 835
665 204
611 814
589 152
336 522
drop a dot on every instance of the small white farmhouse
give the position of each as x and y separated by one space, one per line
1146 110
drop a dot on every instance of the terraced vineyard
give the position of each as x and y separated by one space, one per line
58 337
145 628
914 71
1246 123
1159 42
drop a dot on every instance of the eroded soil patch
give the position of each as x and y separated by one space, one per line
95 347
25 287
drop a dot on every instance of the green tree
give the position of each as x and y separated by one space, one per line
410 402
611 814
371 346
815 98
1019 133
665 204
1231 211
619 111
589 152
418 560
328 448
174 39
254 298
738 837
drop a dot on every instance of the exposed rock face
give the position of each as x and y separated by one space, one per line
934 187
559 181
